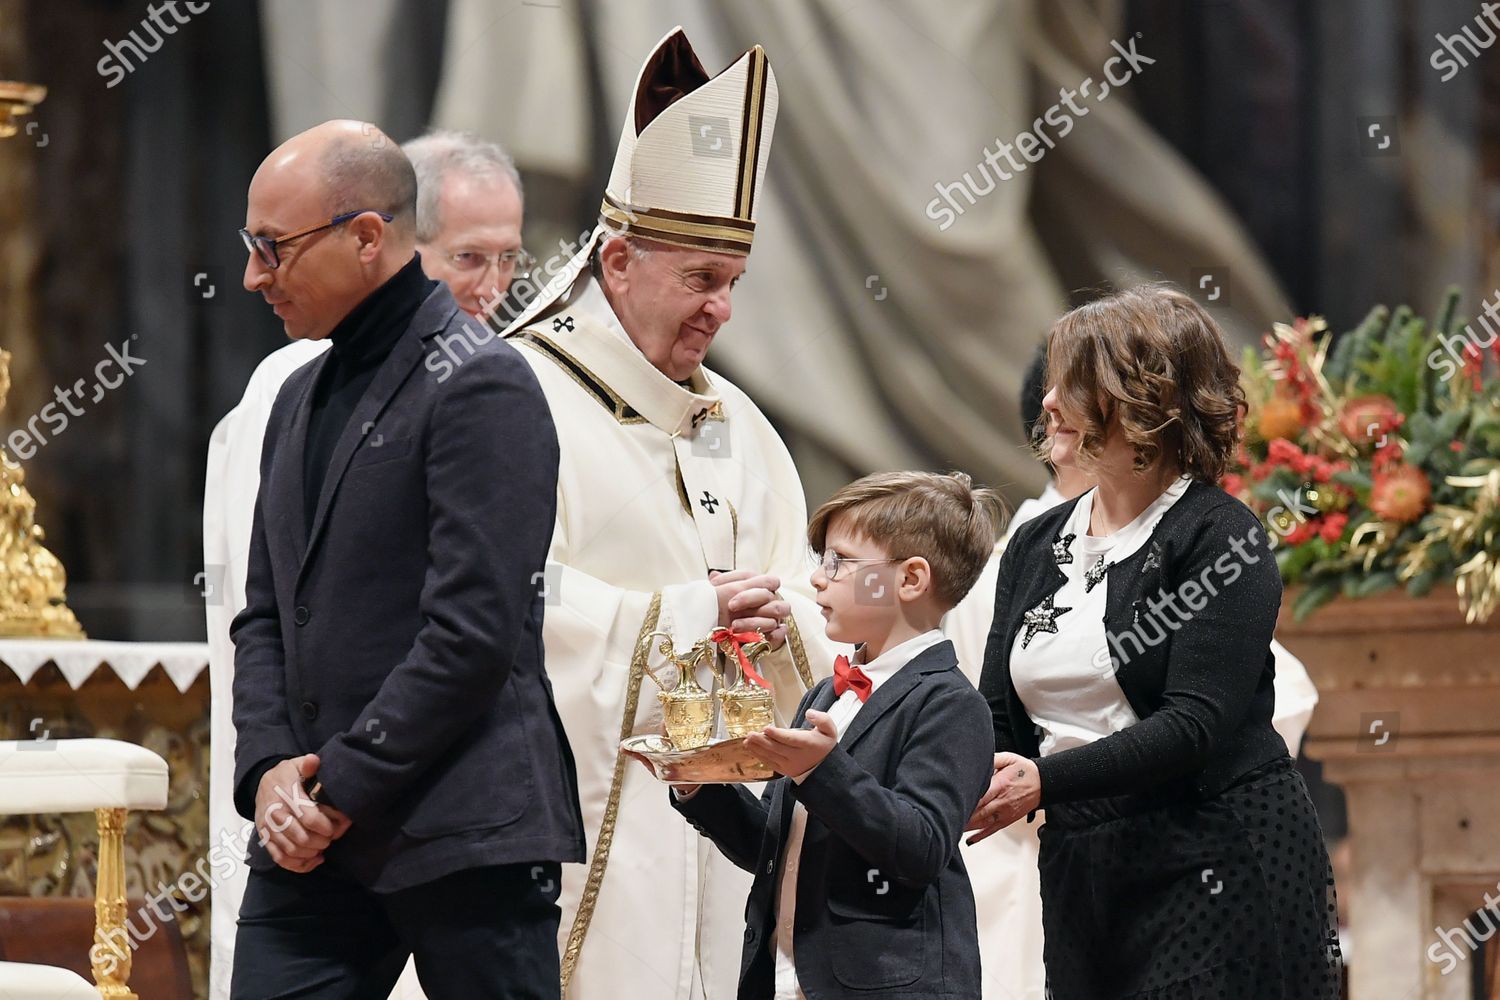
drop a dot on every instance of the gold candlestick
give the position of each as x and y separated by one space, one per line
32 581
17 99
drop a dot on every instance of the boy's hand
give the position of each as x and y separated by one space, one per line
794 752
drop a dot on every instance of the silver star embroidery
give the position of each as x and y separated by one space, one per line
1062 551
1153 558
1095 575
1042 618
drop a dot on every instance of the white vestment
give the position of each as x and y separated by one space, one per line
659 484
1003 867
230 487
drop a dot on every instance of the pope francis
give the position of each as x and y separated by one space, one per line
679 509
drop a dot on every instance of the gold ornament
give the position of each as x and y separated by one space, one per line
32 581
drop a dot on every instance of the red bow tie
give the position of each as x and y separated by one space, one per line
846 677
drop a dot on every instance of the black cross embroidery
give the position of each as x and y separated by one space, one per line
709 503
562 323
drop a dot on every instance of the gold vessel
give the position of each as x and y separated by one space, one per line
747 706
688 710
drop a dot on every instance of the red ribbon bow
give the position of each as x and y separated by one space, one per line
846 677
738 640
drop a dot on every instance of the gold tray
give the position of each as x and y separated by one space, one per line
724 762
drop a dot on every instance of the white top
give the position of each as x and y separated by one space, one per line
842 711
1060 662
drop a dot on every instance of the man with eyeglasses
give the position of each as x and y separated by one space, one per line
469 200
397 746
469 207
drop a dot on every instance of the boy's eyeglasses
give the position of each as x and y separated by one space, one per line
264 247
833 562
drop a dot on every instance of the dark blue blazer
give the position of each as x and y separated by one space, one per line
884 905
401 640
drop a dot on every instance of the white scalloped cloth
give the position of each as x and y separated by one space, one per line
78 659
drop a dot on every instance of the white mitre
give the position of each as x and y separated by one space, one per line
690 164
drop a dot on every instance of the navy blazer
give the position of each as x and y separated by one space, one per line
884 905
401 640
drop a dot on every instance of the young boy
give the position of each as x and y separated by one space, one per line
859 887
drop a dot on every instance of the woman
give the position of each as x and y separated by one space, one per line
1129 674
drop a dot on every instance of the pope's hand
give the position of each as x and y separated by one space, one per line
749 602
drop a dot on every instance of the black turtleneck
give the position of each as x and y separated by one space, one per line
361 342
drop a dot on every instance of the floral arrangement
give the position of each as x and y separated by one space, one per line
1374 458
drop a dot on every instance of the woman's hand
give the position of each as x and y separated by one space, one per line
1015 790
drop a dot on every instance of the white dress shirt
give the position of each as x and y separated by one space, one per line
842 712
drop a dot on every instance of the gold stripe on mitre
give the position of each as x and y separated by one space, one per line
684 229
751 132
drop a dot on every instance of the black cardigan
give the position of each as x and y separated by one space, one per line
1203 691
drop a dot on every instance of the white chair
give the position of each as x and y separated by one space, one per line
109 778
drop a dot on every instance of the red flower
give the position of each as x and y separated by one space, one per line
1474 366
1366 419
1280 451
1233 484
1388 456
1401 493
1303 532
1456 446
1333 527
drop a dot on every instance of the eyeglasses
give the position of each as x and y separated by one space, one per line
519 261
264 247
833 562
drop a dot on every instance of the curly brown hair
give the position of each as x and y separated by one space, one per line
1152 359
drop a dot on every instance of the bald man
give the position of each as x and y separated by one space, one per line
397 746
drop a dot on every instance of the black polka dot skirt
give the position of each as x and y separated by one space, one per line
1226 899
